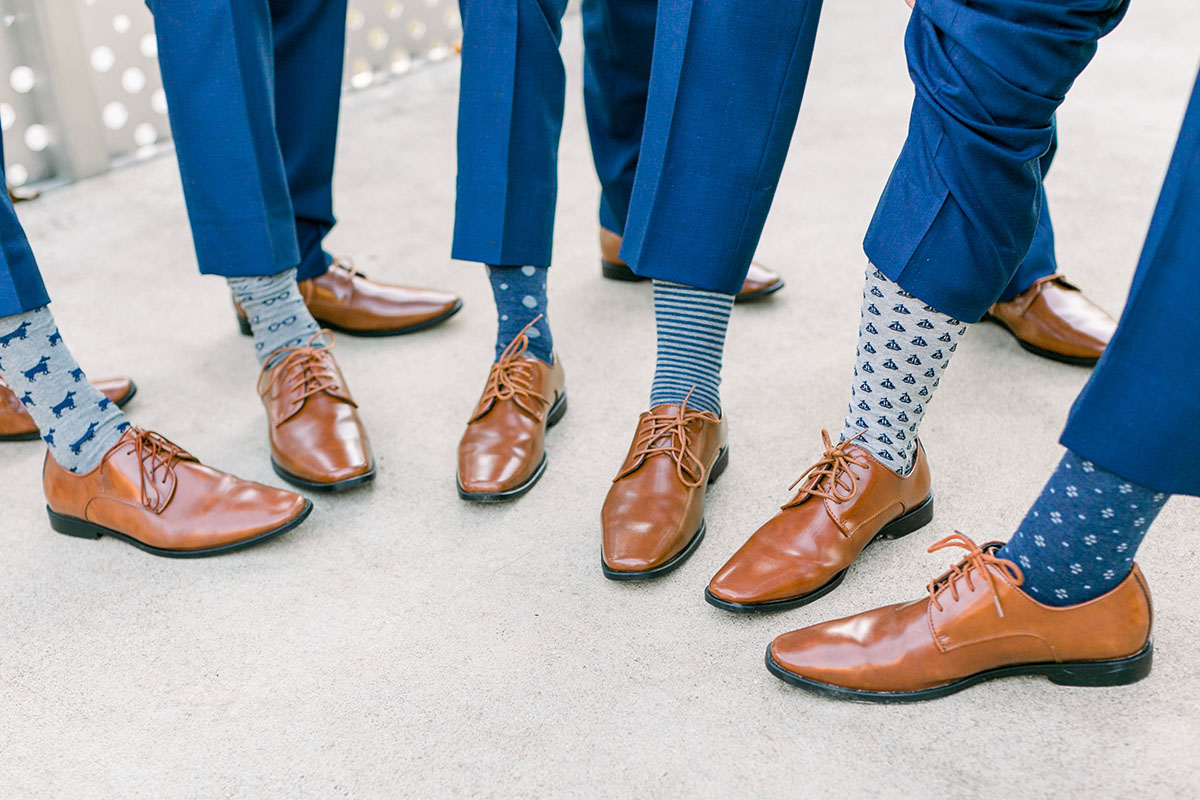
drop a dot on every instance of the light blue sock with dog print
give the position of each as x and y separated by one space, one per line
78 423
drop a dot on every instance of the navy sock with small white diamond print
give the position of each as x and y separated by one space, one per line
1078 540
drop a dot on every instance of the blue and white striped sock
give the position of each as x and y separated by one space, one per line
691 339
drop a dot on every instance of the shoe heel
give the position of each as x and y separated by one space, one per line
73 527
619 272
1117 672
914 520
719 465
557 411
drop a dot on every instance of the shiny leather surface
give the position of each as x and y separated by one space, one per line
1055 316
316 434
15 420
815 537
759 279
967 625
152 491
505 438
656 503
345 299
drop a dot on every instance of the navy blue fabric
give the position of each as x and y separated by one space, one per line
21 287
618 38
961 207
1041 260
725 89
1139 414
253 90
510 113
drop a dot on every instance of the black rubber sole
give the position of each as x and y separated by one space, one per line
1115 672
329 488
70 526
914 520
244 325
621 272
556 413
29 437
650 574
1074 361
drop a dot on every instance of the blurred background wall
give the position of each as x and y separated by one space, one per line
80 90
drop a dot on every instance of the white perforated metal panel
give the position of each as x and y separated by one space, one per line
115 92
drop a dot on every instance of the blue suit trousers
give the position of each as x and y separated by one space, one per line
1139 415
961 208
698 209
21 287
253 92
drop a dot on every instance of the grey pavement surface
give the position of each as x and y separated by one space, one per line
405 644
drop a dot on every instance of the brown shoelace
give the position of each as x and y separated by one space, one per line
668 434
830 477
305 369
154 453
511 378
977 561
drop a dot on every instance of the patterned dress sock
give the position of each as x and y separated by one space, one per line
904 346
78 423
276 310
691 343
1078 540
520 294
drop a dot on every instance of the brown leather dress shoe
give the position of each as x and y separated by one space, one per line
344 300
974 625
502 453
653 517
17 425
847 500
156 496
759 282
1054 319
317 440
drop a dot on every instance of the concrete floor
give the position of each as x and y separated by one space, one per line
403 643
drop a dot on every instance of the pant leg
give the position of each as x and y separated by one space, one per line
509 121
618 37
1139 414
218 72
310 43
725 90
21 287
959 212
1041 259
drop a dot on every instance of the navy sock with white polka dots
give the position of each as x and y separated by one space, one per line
1078 540
520 294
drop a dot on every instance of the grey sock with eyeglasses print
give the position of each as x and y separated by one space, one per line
276 310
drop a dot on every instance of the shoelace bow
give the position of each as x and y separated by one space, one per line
977 561
155 452
831 476
305 369
511 378
668 433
